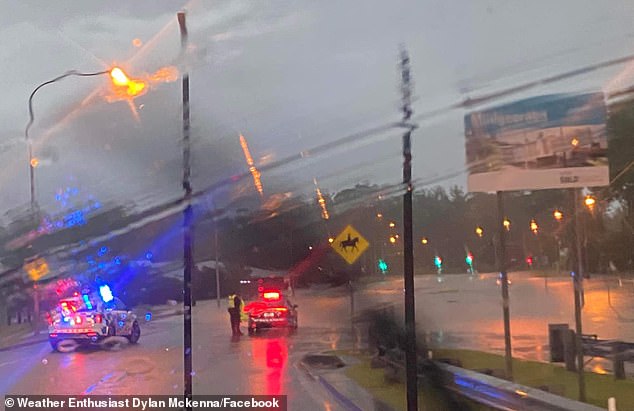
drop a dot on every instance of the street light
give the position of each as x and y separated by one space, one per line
534 226
34 161
558 215
392 239
590 202
392 224
507 224
118 78
424 240
479 231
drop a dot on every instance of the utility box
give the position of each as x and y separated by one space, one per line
556 339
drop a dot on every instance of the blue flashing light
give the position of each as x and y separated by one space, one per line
106 293
148 316
87 301
103 250
121 323
117 261
149 255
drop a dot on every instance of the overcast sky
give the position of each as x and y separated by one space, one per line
289 75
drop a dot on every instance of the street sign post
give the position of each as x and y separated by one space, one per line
350 245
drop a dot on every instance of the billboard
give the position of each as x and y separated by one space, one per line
551 141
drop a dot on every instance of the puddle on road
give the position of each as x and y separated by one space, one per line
139 366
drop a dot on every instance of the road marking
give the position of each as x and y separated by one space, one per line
9 362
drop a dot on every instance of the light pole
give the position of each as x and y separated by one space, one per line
187 225
33 162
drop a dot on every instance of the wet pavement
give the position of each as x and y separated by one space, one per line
459 311
268 363
464 311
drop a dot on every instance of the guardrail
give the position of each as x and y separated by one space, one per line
497 393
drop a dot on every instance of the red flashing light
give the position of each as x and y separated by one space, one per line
98 318
92 334
78 319
271 295
260 289
52 335
529 260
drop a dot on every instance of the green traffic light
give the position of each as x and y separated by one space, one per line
382 265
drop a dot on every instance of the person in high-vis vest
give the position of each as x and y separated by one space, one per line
236 306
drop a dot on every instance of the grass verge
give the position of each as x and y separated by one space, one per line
15 333
393 394
536 374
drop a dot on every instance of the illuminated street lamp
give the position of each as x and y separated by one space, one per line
424 240
119 79
590 202
34 161
392 239
479 231
534 226
558 215
331 240
507 224
392 224
379 216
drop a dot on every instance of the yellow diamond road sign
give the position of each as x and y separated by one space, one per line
36 269
350 244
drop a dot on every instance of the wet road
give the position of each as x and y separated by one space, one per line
264 364
459 311
463 311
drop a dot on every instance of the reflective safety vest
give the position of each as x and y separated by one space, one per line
232 303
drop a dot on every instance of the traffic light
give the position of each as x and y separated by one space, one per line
529 261
438 261
382 266
469 259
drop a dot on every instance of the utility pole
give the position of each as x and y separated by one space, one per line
504 282
217 261
408 240
577 278
187 225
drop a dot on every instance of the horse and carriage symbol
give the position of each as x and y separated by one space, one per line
350 242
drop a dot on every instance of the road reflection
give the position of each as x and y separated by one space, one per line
269 353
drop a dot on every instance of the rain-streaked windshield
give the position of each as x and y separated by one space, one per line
442 194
